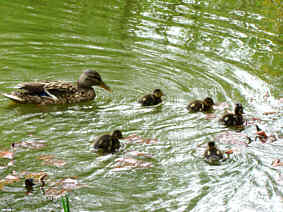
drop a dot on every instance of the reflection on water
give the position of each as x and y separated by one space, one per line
229 51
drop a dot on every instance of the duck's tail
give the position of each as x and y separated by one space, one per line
12 97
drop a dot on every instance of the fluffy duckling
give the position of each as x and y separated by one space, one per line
201 106
234 119
58 92
29 184
109 143
152 99
212 153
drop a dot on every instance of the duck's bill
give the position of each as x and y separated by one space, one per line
106 87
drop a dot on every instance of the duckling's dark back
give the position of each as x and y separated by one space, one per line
195 106
107 143
150 100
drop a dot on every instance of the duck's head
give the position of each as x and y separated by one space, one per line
239 110
209 101
158 93
91 78
117 134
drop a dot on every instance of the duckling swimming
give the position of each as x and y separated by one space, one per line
29 185
234 119
58 92
152 99
212 154
109 143
201 106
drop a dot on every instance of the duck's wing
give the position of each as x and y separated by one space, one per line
34 92
61 86
32 87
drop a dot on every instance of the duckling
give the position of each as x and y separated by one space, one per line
212 153
152 99
58 92
109 143
234 119
201 106
29 184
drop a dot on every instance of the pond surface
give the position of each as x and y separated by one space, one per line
228 50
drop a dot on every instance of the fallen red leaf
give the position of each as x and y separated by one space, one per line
230 151
50 160
277 163
261 134
269 113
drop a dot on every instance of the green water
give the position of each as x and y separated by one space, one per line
229 50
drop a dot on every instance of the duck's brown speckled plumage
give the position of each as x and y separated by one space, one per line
201 106
109 143
234 119
58 92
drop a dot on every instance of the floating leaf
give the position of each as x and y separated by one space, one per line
11 178
55 192
55 162
50 160
138 154
30 144
61 187
6 154
277 163
139 139
210 116
126 163
231 137
133 137
230 151
269 113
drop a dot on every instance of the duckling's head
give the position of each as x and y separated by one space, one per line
209 101
29 182
158 93
211 145
91 78
239 110
117 134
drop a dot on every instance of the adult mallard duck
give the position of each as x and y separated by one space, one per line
58 92
152 99
234 119
212 154
109 143
201 106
